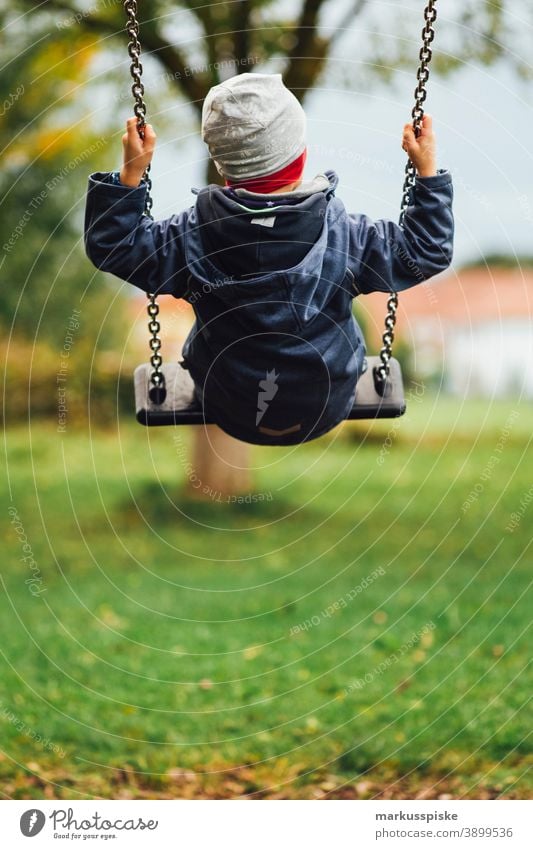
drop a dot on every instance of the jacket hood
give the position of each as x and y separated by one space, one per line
245 230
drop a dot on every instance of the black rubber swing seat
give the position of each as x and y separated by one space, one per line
181 407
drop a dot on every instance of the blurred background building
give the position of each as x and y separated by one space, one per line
469 332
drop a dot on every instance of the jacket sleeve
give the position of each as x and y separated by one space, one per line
384 257
123 241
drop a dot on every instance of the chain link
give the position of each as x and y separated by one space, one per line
417 114
157 379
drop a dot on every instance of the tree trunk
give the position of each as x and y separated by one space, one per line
220 463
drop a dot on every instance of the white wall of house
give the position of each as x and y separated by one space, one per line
489 359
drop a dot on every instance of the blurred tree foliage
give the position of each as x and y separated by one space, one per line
48 149
198 44
501 261
201 43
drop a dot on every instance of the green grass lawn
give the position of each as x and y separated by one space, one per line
361 632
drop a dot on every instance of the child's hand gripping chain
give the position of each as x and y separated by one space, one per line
422 149
138 152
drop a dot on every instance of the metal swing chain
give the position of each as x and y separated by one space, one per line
422 76
157 379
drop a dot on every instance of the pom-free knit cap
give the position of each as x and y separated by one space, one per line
253 126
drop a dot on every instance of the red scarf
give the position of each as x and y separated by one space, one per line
265 185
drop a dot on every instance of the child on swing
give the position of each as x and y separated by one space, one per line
269 262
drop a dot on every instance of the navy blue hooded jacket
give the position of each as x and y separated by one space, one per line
275 352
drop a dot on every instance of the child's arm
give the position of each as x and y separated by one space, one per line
120 239
385 257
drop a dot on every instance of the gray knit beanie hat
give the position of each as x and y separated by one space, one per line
253 126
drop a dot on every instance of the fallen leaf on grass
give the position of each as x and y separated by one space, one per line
252 652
